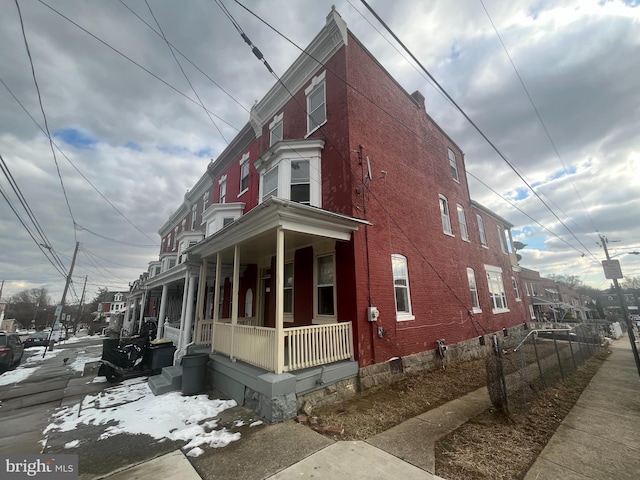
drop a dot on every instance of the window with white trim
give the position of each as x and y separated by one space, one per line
532 313
401 286
503 244
276 129
483 237
194 215
300 182
227 221
325 285
270 184
516 291
444 213
316 103
453 165
244 173
496 289
223 190
288 288
464 233
205 200
473 290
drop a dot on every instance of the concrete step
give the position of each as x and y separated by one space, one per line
170 380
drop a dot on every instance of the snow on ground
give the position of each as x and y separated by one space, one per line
31 361
137 411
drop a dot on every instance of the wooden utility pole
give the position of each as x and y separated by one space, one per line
58 315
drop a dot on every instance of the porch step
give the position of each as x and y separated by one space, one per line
169 380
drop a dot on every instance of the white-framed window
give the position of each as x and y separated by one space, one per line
503 243
244 173
444 213
401 286
453 164
496 289
325 285
194 215
464 233
300 182
205 200
292 171
227 221
276 129
516 291
473 290
483 237
222 198
270 184
248 303
288 288
526 289
532 313
316 103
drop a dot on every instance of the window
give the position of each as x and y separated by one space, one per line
464 234
503 245
270 184
194 212
496 289
516 292
532 313
401 285
223 190
325 285
288 288
300 182
444 212
483 237
227 221
453 165
205 199
275 130
248 303
473 290
316 105
244 173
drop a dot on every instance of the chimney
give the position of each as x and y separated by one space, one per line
419 98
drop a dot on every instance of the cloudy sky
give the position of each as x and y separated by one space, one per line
130 137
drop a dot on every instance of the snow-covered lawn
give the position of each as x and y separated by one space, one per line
137 411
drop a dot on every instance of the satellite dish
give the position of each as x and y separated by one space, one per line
519 245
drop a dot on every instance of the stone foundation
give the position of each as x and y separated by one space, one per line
334 393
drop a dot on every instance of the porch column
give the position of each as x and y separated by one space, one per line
200 299
279 366
163 309
133 316
234 296
143 302
184 310
216 300
186 334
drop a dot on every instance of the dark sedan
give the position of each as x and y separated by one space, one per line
11 350
39 339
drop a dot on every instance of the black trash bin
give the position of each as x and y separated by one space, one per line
161 355
194 371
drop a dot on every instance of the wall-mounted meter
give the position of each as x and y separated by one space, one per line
372 314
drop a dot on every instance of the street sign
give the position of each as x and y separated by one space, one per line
612 269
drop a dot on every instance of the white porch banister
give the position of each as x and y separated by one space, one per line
304 347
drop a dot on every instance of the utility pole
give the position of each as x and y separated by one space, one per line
58 314
625 313
84 289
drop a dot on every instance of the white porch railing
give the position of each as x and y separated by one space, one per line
171 333
304 347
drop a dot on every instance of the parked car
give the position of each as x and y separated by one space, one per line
11 350
39 339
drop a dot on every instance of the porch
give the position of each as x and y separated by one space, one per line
304 347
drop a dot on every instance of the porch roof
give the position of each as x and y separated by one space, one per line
297 220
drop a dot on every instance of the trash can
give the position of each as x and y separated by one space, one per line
194 371
161 355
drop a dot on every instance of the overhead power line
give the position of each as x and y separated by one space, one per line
473 124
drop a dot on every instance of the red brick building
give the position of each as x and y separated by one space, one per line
336 229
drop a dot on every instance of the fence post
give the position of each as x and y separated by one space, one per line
555 344
535 349
575 367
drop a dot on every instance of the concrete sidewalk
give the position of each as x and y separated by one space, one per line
600 438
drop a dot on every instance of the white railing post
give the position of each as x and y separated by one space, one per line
163 309
234 297
200 300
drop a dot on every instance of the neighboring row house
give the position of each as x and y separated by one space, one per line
332 237
113 303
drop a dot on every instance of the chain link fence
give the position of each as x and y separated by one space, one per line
516 371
